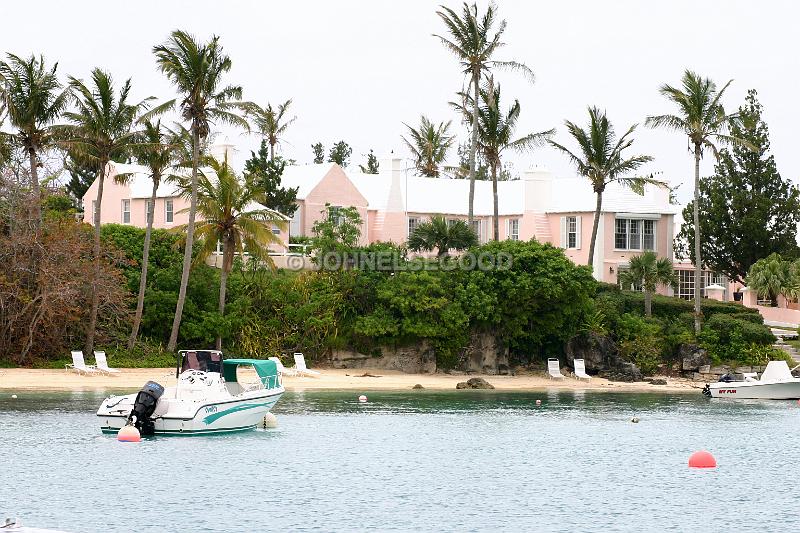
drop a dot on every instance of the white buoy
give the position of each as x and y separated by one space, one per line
362 399
13 396
538 402
270 421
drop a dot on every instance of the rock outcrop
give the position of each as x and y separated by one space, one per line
486 355
598 352
411 359
693 357
475 383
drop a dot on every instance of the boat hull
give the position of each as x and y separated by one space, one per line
786 390
202 417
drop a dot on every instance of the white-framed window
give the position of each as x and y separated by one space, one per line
571 232
169 211
634 234
686 282
276 230
477 227
513 229
334 215
413 222
148 209
126 211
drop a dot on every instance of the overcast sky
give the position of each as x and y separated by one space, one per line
357 70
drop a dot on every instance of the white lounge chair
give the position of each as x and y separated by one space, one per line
102 364
580 369
300 366
282 369
78 365
554 369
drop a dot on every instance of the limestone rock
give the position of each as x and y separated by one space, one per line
598 352
475 383
486 355
693 357
417 386
419 359
658 381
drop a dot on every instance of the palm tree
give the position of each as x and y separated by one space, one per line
429 145
701 117
495 133
196 69
648 271
771 277
474 41
270 123
231 215
158 150
101 131
600 160
442 235
33 99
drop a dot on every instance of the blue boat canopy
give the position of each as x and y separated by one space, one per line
267 370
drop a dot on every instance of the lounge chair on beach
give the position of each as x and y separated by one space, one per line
300 366
282 369
554 369
580 369
102 364
78 365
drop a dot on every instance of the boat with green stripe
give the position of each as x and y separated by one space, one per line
209 397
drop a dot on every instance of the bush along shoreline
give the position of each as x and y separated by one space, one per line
540 305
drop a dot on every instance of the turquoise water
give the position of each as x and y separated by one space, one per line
412 461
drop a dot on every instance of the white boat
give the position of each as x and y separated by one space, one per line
776 383
207 398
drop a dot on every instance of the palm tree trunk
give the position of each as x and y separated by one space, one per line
187 252
89 346
595 224
496 212
227 263
648 303
145 258
36 208
473 147
271 152
698 262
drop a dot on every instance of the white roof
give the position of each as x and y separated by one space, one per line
574 194
140 184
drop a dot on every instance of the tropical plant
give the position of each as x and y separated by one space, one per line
474 40
271 122
770 277
340 154
749 210
337 232
157 150
648 271
495 133
702 118
197 69
442 235
266 173
429 144
319 153
33 99
372 166
600 160
230 216
101 131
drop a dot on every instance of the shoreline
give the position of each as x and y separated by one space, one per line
361 379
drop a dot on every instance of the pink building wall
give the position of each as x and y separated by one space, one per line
334 189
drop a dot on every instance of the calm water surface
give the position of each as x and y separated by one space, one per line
421 461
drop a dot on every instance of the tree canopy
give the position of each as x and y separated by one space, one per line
749 210
266 172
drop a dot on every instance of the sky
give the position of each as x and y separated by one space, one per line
357 70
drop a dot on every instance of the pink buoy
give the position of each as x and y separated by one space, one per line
702 459
129 434
362 399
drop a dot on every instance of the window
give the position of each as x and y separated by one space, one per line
686 282
634 234
572 232
276 230
126 211
333 214
477 227
413 222
634 286
148 210
169 213
94 210
513 229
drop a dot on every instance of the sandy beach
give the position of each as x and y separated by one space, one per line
329 379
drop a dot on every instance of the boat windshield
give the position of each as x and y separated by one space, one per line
204 360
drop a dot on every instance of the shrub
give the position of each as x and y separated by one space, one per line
732 339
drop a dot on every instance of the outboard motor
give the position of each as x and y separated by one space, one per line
144 407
